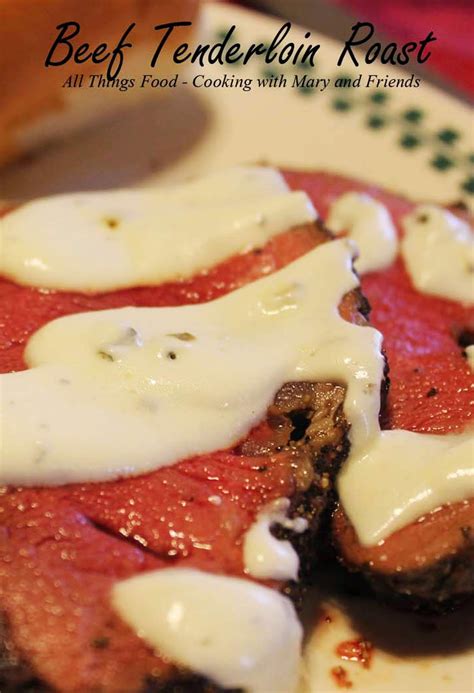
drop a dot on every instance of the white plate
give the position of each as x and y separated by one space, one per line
414 141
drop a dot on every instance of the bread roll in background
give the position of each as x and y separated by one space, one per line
34 107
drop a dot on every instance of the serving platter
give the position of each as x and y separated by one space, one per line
414 140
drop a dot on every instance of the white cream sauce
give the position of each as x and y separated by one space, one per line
233 631
368 223
102 241
438 250
402 476
122 392
265 556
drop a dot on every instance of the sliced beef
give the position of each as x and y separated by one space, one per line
63 548
23 309
420 332
67 546
429 564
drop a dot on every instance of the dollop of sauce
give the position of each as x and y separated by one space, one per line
368 223
124 391
108 240
265 556
231 630
438 250
403 475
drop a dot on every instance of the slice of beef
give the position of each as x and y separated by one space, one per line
420 332
63 548
429 564
67 546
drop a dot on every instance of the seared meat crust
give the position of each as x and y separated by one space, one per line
426 566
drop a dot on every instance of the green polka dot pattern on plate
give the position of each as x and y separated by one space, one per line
409 127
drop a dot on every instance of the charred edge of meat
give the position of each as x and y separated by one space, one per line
436 589
307 421
384 390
